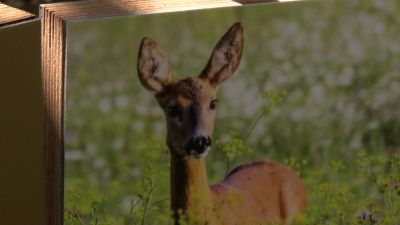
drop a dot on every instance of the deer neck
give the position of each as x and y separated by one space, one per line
190 191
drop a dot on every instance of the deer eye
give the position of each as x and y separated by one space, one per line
213 104
174 111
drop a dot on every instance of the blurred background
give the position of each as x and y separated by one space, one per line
318 89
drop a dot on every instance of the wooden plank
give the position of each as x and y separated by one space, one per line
102 8
10 15
53 51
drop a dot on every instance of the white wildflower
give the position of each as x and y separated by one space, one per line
105 105
122 101
99 163
117 144
73 155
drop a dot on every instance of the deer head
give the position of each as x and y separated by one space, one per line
190 103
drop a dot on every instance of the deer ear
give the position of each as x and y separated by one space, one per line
226 56
152 66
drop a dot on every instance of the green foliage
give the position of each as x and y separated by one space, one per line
295 164
87 203
342 199
84 205
274 98
233 149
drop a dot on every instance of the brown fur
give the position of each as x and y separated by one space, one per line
256 193
252 194
270 192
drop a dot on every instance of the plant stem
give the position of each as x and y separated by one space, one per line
159 201
228 165
253 125
77 216
133 205
147 204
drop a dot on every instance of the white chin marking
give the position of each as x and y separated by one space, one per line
198 156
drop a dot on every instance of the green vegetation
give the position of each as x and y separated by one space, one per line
318 89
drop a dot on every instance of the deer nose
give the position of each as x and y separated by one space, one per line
198 144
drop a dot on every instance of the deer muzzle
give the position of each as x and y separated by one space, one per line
198 146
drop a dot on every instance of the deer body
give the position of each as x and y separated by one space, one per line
252 194
256 193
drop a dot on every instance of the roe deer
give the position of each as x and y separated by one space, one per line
252 194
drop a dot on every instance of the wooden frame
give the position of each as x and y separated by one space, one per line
10 15
54 18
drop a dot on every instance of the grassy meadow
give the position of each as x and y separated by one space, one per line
318 89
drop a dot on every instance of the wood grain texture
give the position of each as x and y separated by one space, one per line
53 45
10 15
103 8
54 18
